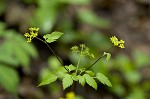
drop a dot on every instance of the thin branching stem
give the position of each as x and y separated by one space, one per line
96 61
78 64
53 53
79 60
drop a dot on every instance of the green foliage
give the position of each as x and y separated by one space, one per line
70 74
48 79
16 49
52 37
126 72
108 56
67 81
91 73
90 81
9 78
44 18
129 72
90 18
71 68
14 52
61 71
140 59
137 93
84 51
103 79
81 80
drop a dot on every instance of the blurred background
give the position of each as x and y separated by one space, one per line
92 22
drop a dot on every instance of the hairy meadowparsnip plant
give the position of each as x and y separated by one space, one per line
73 73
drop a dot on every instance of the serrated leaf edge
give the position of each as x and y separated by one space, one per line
110 85
64 87
41 84
92 85
80 80
60 33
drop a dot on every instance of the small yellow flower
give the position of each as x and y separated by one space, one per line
121 46
32 34
121 41
26 35
70 95
116 42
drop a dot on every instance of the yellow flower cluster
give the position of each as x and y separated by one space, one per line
69 95
116 42
32 34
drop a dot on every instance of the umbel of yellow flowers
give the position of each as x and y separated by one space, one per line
116 42
33 32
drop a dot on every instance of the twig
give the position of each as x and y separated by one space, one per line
53 53
96 61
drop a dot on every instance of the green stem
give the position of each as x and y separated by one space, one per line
96 60
78 64
53 53
79 59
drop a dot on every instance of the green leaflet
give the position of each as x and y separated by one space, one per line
22 56
108 56
67 81
71 67
74 77
90 73
6 55
61 71
52 37
16 51
48 79
103 79
9 78
81 80
90 81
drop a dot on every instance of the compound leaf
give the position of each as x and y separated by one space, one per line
67 81
52 37
90 81
103 79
